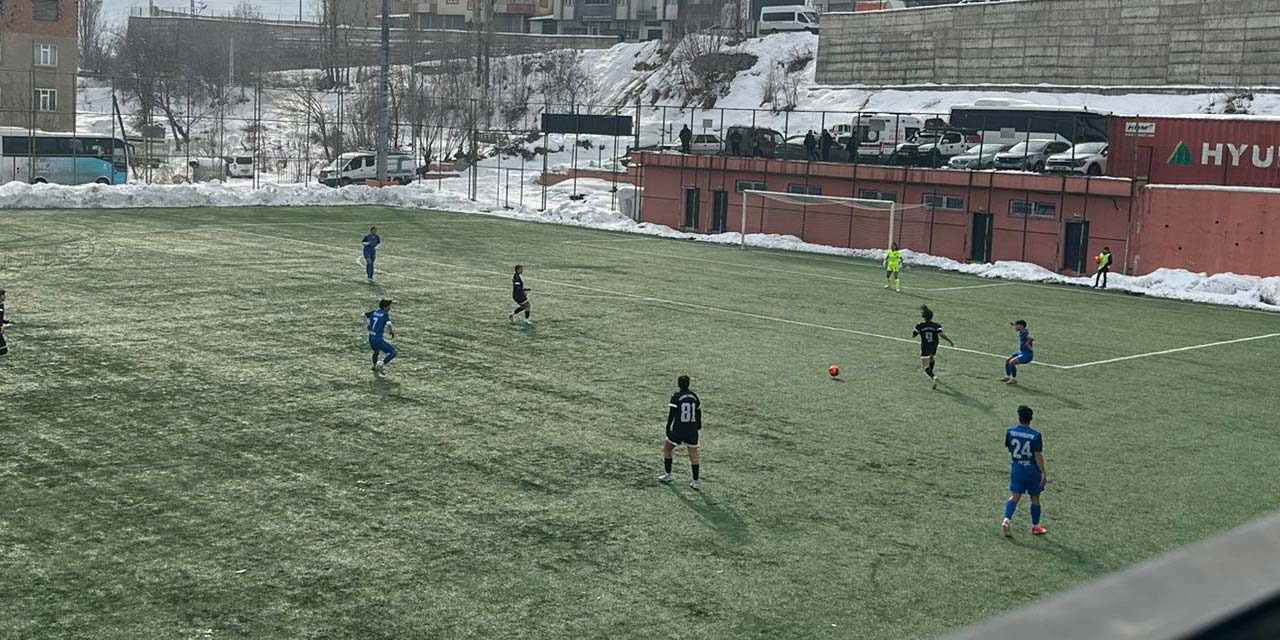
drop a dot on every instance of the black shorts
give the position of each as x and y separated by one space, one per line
520 299
683 435
928 350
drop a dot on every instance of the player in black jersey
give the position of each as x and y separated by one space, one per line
520 294
4 346
684 419
929 332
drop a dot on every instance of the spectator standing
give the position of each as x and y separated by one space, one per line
1104 267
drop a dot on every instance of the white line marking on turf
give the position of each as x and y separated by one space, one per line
973 286
808 274
1168 351
675 303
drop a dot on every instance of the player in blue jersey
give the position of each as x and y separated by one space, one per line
370 243
378 322
1024 354
1027 473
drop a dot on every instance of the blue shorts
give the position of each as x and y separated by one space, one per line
1024 357
369 256
1027 482
380 344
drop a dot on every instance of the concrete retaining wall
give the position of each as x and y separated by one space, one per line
278 46
1216 43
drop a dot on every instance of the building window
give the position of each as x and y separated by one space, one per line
46 55
1029 209
807 189
46 10
45 99
596 2
872 194
943 201
753 185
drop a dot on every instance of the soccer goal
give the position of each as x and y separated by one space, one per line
860 222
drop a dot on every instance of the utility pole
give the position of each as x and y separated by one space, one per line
384 126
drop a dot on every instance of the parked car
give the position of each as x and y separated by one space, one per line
1089 158
793 148
702 144
240 166
768 141
791 17
358 166
933 147
979 156
1030 155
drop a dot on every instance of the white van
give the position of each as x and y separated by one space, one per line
358 166
240 166
791 17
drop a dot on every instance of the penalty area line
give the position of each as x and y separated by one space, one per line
672 303
1168 351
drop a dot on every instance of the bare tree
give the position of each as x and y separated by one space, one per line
92 33
246 10
320 120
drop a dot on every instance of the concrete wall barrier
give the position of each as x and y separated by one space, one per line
1219 43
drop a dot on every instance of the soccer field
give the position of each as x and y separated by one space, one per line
193 444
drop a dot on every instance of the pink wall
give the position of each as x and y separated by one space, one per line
1104 203
1209 229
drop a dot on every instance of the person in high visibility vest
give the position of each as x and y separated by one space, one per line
1104 267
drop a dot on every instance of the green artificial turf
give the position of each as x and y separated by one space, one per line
193 446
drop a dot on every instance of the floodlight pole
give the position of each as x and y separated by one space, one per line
384 127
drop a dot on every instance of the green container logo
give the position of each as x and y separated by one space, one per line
1181 155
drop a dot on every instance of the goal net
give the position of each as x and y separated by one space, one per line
859 223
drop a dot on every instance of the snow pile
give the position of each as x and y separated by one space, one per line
596 210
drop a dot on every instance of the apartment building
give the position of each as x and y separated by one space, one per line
631 19
39 57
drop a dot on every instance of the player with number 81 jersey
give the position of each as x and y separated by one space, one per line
684 419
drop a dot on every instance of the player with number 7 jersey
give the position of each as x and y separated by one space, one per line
1027 473
684 419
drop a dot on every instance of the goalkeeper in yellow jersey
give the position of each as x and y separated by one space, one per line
892 263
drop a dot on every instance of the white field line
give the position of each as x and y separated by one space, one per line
731 311
674 303
807 274
1168 351
973 286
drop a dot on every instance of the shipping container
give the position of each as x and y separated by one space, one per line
1222 150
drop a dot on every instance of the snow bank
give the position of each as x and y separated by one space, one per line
596 211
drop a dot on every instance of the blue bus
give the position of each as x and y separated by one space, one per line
62 158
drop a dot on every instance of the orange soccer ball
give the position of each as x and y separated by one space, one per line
833 370
1097 259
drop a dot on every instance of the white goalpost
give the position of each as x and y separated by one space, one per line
867 211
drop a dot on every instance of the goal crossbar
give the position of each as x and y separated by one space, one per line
889 206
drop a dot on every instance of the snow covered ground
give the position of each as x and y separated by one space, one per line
597 211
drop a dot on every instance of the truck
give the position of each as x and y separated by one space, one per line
1230 150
